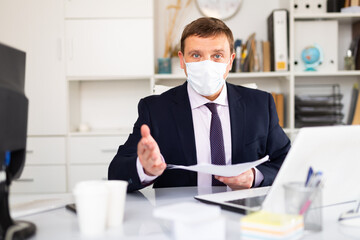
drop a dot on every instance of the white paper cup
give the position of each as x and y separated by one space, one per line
116 202
91 199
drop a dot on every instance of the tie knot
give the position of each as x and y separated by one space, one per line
212 107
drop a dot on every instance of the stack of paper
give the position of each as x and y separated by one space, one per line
267 225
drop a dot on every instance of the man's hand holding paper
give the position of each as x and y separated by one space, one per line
237 176
243 181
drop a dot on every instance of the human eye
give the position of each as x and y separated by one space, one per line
196 55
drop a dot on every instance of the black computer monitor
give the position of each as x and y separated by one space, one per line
13 131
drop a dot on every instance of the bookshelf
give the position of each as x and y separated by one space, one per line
286 82
345 79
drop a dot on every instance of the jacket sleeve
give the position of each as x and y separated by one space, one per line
123 166
278 145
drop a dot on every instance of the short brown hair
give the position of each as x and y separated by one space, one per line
207 27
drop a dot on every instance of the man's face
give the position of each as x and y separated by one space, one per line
215 48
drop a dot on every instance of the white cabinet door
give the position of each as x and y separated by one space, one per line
84 150
37 27
110 47
108 8
41 179
45 150
84 173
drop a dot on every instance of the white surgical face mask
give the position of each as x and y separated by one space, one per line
206 77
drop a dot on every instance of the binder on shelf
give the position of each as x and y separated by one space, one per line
354 3
335 5
279 103
274 96
356 119
347 3
258 57
356 39
280 108
278 34
249 54
353 100
266 56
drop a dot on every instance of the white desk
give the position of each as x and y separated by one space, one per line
140 224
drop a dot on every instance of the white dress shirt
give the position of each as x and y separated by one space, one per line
201 121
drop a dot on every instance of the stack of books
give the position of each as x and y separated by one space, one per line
319 109
267 225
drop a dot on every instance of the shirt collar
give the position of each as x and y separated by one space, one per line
196 100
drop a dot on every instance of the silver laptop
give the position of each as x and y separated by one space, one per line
333 150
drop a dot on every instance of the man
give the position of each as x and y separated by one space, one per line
205 120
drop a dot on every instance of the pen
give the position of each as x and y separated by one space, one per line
315 180
309 175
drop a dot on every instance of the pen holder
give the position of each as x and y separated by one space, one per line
306 201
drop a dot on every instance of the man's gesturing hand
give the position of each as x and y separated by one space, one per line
149 153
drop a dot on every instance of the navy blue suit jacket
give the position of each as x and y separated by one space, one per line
255 133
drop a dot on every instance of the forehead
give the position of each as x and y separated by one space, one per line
213 43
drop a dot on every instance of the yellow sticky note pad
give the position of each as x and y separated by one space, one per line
269 225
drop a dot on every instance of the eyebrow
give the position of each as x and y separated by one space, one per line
193 51
219 51
199 51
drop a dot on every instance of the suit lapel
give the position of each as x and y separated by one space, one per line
237 111
184 123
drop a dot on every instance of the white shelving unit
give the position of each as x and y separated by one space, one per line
39 31
345 79
110 62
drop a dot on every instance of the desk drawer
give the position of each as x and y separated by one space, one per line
41 179
92 150
79 173
45 150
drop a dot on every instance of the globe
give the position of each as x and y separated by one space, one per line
312 57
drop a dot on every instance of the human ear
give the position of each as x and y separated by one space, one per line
181 57
232 57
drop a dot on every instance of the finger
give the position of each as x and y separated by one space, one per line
145 131
162 166
158 169
147 139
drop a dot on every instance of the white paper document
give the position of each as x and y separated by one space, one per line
221 170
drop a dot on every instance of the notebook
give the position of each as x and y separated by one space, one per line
334 150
